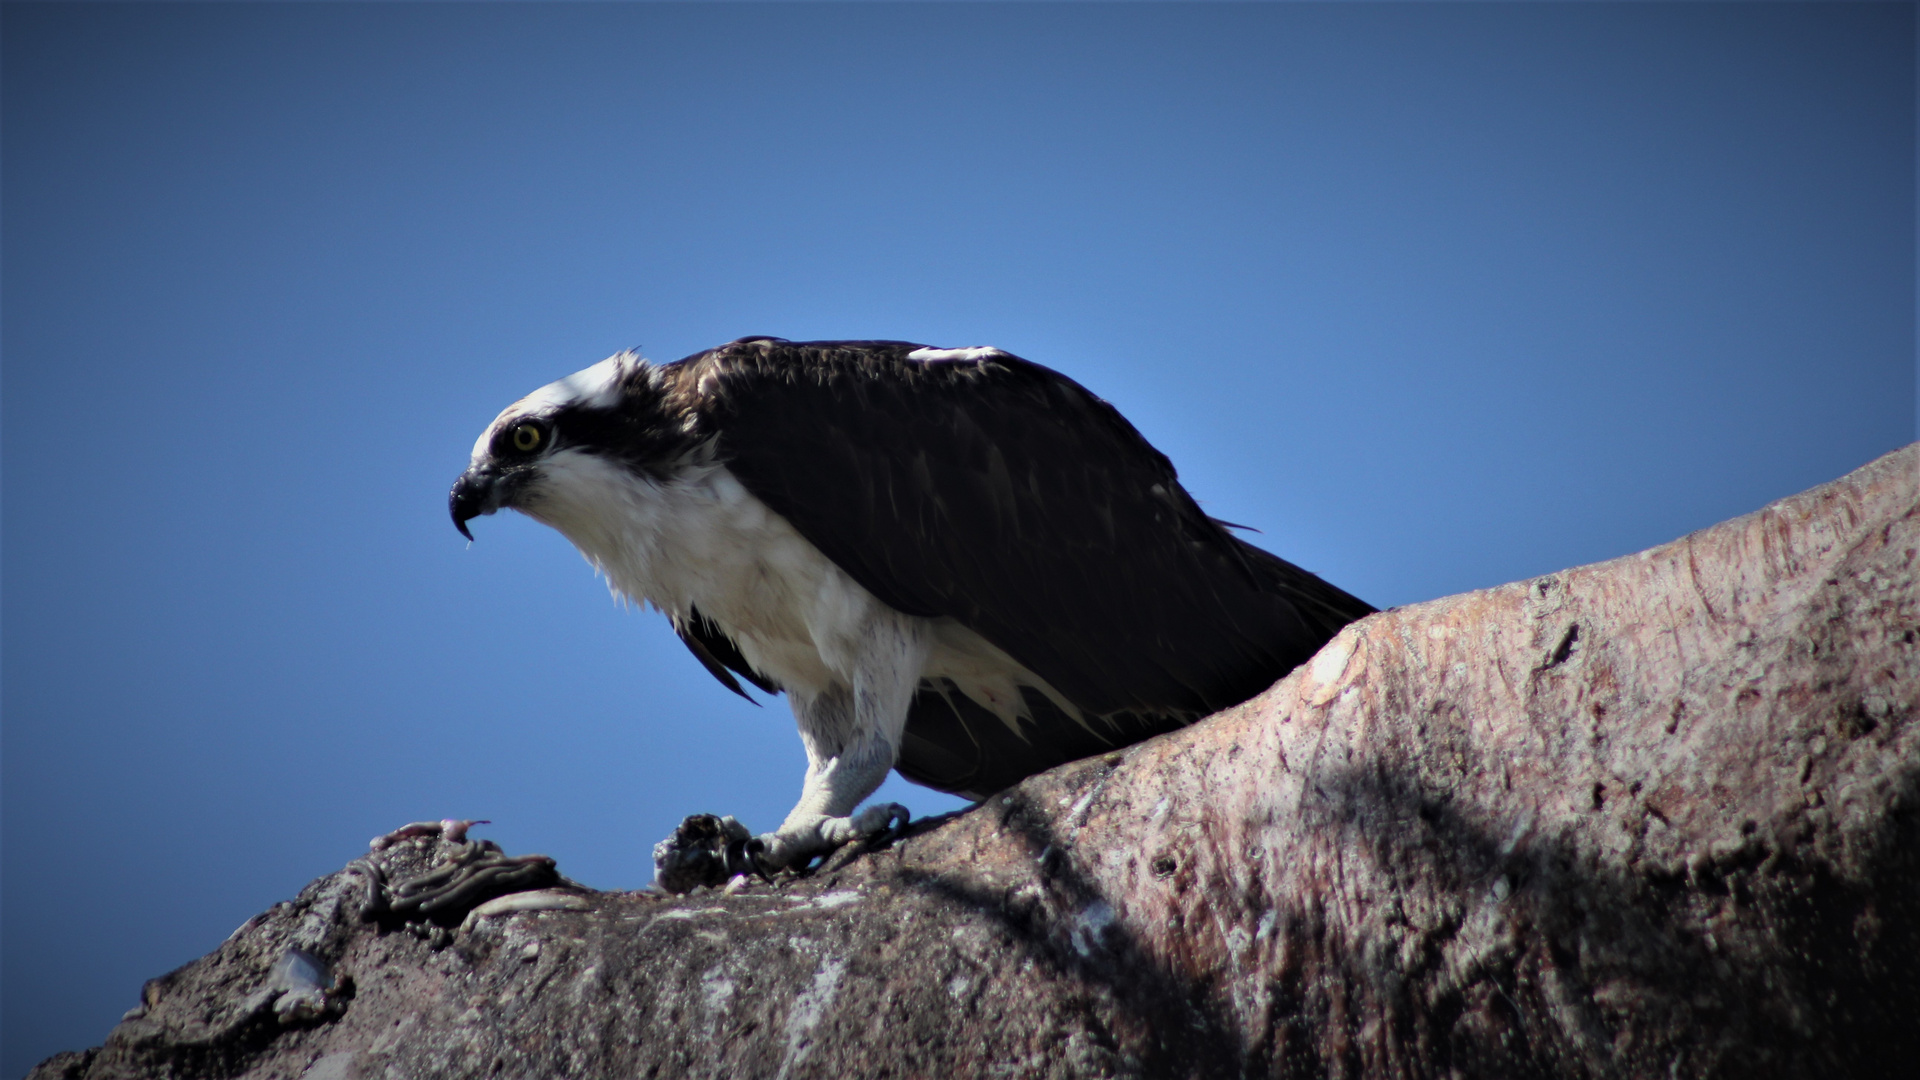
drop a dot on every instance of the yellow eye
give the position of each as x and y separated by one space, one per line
526 438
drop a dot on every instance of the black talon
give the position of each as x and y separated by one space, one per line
745 857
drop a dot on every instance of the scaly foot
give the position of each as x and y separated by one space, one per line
794 843
709 850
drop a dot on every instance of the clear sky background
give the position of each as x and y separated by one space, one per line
1437 296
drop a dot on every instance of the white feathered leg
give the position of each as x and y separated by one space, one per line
852 738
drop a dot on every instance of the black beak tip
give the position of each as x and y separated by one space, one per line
463 505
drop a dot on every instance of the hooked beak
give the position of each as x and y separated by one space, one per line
473 495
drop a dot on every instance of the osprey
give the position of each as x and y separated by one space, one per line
955 562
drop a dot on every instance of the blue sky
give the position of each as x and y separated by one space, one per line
1437 296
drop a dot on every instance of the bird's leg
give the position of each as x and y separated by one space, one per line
853 740
824 817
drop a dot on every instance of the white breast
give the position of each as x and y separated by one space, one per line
701 540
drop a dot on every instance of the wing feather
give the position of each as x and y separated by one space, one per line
720 655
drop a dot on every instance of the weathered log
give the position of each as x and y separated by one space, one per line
1652 817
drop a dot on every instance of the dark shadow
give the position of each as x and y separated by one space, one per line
1832 991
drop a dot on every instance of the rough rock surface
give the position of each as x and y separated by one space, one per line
1652 817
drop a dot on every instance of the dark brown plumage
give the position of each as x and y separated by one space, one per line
1003 495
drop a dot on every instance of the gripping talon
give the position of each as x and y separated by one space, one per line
881 821
744 857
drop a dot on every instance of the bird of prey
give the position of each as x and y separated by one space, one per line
955 562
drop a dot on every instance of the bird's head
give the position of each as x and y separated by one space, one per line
552 447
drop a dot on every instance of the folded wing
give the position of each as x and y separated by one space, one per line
984 488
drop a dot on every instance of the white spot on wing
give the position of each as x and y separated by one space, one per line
935 356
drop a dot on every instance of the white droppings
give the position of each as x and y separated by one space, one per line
808 1007
1264 929
717 989
338 1065
835 899
1520 828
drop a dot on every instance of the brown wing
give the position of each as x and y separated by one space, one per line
1003 495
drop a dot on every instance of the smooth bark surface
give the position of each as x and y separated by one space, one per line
1652 817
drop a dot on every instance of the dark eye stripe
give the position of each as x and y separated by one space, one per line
640 431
